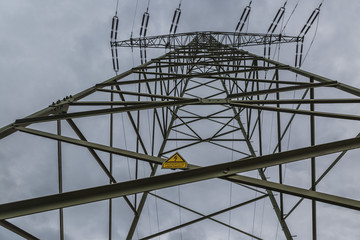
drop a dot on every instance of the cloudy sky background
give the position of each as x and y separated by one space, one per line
51 49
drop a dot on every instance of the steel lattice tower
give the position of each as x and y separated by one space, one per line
228 112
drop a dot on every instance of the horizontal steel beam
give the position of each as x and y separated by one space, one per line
56 201
298 111
300 192
233 39
202 75
94 146
142 94
344 87
300 101
111 103
223 101
284 89
152 105
260 80
9 129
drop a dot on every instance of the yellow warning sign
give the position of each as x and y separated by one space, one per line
175 162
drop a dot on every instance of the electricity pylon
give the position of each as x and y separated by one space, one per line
228 112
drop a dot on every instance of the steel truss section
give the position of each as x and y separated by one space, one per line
228 111
231 39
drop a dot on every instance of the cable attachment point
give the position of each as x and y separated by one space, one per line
144 23
299 50
113 38
244 17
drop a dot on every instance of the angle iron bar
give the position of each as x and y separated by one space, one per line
225 125
273 201
344 87
300 101
341 155
283 89
187 134
56 201
176 116
98 159
15 229
128 82
220 62
60 178
215 73
93 153
198 213
185 146
291 119
300 192
228 148
204 217
160 153
248 39
198 117
213 140
203 84
132 122
109 103
9 129
258 80
104 111
214 95
301 112
141 94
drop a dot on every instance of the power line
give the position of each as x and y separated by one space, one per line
132 28
291 14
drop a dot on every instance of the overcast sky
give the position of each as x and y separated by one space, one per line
51 49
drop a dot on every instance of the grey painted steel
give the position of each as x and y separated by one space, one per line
284 89
298 111
219 49
60 180
153 172
347 88
226 38
30 206
17 230
206 217
103 111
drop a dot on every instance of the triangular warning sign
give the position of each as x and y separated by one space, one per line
174 162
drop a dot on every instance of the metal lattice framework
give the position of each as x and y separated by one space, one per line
230 39
228 111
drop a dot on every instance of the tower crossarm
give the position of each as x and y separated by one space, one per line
231 39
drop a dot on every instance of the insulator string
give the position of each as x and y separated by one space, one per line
244 17
299 51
